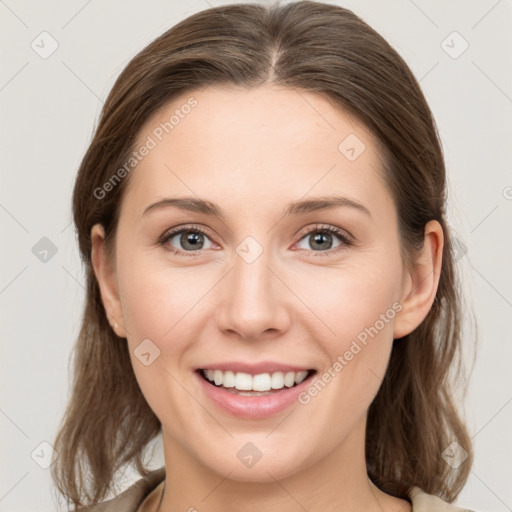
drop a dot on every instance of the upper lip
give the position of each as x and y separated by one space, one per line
254 368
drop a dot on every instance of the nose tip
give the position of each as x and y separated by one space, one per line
251 303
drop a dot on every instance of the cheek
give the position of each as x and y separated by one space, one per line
349 300
358 305
158 305
167 306
158 301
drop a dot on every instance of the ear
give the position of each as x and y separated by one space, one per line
420 283
105 274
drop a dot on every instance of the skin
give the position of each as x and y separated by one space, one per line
252 152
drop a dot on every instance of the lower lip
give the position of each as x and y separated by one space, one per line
252 407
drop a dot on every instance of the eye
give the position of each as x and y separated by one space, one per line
325 240
191 240
188 239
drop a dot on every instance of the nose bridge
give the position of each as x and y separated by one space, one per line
251 303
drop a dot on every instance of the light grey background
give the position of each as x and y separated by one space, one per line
50 107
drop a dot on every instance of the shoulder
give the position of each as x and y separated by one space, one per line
131 498
423 502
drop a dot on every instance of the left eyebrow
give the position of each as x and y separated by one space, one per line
300 207
323 203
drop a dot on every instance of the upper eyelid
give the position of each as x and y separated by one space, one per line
187 227
320 227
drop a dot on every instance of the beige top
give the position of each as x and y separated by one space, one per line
141 496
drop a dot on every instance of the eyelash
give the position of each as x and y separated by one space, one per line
344 238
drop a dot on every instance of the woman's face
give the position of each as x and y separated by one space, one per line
289 262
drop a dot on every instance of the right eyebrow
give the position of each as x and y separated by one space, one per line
192 204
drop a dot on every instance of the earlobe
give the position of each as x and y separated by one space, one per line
105 276
420 285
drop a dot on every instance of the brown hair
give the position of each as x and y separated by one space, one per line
307 46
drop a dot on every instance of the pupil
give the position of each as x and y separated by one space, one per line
193 240
320 239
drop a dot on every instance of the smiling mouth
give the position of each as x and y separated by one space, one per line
263 384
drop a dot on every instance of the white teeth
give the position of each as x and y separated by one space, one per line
228 380
300 376
277 381
261 382
289 379
243 381
217 377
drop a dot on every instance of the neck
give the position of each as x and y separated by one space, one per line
337 482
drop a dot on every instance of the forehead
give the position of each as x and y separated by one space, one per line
266 144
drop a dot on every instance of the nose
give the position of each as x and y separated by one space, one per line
253 301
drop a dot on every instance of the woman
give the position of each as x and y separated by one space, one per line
283 375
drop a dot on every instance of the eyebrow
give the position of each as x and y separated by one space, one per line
300 207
